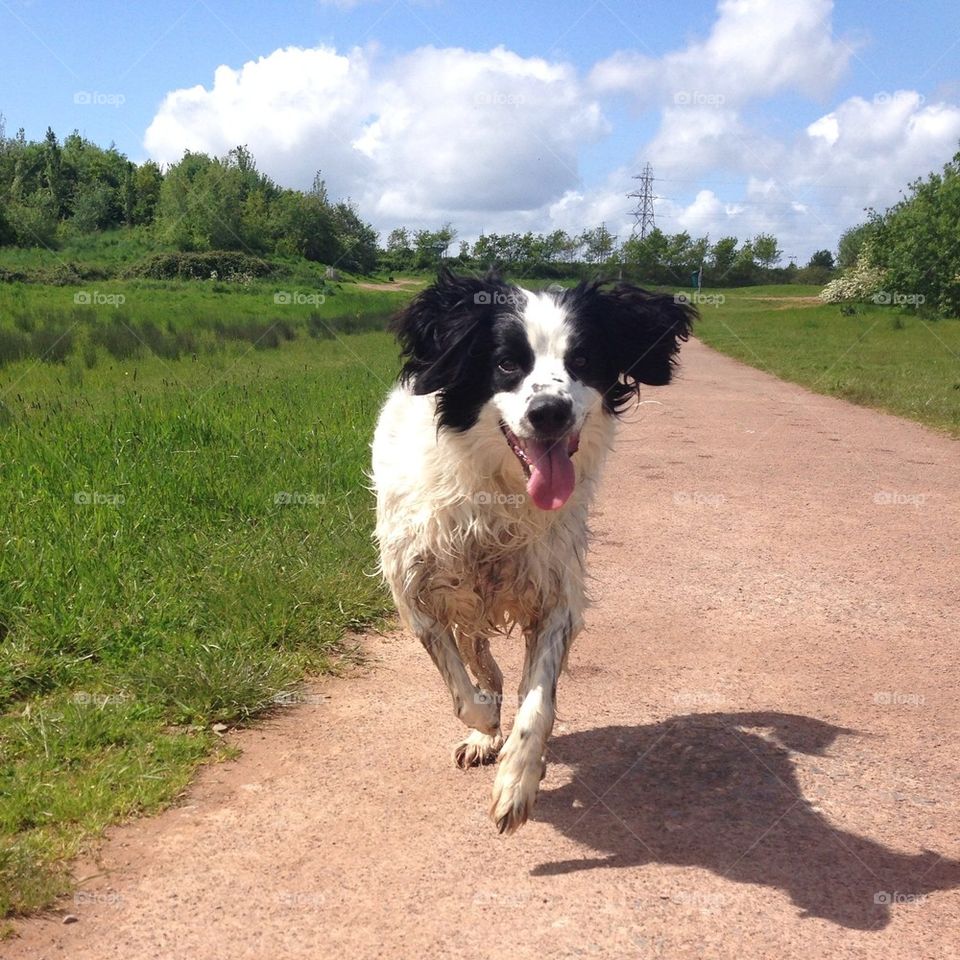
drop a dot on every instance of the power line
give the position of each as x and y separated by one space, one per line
643 217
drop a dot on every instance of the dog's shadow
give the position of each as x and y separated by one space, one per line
719 791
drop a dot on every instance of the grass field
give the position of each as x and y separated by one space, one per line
185 533
183 539
879 357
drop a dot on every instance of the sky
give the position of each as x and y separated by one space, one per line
782 116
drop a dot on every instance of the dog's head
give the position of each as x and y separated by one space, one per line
545 361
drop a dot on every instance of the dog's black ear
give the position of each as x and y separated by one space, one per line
445 336
641 330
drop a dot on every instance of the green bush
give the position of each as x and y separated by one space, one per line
199 266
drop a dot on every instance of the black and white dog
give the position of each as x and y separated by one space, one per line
485 460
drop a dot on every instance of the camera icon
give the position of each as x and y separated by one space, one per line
483 298
682 98
282 298
883 297
482 498
82 98
82 298
881 897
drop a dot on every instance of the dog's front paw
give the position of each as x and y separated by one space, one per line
515 791
477 749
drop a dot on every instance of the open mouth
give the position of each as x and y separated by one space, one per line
547 465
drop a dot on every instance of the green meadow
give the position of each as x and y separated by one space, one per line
186 535
186 528
878 356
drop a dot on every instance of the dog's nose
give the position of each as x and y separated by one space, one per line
551 415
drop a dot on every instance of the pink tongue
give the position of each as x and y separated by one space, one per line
552 476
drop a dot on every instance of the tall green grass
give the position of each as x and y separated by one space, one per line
182 540
877 356
129 319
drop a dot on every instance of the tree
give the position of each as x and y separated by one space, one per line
822 258
766 251
723 257
598 244
917 242
851 243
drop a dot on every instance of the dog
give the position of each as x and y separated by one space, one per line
486 457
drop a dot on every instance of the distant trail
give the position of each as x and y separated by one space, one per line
757 739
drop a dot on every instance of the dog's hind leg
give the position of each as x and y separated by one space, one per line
474 706
522 761
479 747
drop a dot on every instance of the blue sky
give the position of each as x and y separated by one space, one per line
783 115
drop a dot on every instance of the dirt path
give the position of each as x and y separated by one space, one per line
756 756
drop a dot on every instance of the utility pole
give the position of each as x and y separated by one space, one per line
643 219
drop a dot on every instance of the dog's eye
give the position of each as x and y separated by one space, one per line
578 361
509 366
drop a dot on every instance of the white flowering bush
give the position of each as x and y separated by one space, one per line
859 282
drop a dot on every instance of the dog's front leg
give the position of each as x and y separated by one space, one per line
522 762
475 707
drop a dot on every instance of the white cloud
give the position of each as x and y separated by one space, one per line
430 135
756 47
492 140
